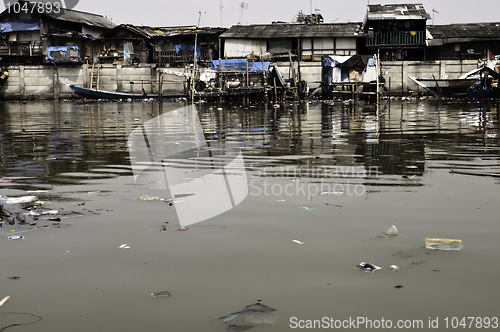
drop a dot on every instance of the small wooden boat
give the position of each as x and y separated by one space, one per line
104 94
444 87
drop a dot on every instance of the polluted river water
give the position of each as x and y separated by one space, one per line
94 240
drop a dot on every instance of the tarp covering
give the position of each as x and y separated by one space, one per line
63 53
275 78
128 51
181 48
240 65
356 68
19 25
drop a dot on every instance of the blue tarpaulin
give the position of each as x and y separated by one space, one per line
240 65
19 25
179 48
63 53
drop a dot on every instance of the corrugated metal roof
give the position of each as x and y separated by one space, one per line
468 31
268 31
83 18
70 15
150 32
397 12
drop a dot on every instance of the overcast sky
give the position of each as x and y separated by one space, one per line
185 12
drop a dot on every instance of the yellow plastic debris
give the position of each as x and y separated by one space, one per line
443 244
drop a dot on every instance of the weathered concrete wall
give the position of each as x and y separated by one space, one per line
397 73
310 71
49 82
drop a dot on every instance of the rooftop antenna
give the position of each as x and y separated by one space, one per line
221 13
433 12
243 6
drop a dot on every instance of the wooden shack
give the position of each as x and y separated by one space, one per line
30 37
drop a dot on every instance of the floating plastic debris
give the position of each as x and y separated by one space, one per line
123 246
15 237
161 294
150 198
394 267
368 267
391 231
337 193
306 209
14 278
297 241
16 200
443 244
247 318
336 205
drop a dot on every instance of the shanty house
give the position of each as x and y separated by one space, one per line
127 43
162 45
468 41
398 32
65 36
280 40
177 46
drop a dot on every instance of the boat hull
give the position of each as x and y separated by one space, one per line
88 93
445 87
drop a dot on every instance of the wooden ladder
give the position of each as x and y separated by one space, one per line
94 76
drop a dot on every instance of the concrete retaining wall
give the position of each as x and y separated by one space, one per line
49 82
396 73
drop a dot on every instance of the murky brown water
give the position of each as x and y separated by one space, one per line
327 176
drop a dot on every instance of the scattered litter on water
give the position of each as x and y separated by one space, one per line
123 246
391 231
182 229
394 267
297 241
161 294
368 267
306 209
15 237
5 299
412 253
443 244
